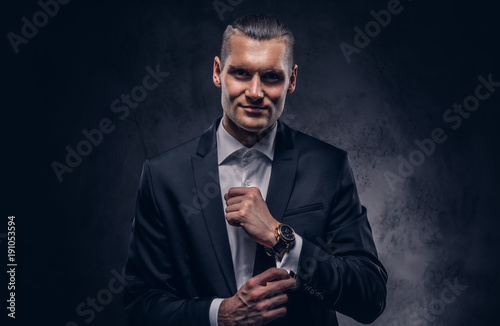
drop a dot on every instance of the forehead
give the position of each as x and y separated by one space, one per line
256 54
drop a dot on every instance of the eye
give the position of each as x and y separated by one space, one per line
240 73
272 77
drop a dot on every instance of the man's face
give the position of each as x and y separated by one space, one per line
254 82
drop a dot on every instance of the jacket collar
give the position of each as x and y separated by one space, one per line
208 140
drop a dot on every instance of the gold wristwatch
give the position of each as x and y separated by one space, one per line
285 237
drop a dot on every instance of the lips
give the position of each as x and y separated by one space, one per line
253 109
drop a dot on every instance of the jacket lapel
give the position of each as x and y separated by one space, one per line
280 188
206 173
283 173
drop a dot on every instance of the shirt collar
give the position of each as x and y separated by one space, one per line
227 144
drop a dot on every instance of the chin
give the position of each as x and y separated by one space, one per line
254 124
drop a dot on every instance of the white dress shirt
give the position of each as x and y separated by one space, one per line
240 166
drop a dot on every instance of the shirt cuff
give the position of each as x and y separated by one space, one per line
214 311
290 259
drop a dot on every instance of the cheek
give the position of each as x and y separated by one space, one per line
276 94
233 89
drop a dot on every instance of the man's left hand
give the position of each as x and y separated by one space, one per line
246 208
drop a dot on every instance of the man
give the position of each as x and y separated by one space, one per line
252 223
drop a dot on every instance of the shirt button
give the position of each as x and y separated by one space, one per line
248 183
250 270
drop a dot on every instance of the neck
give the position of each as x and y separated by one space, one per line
245 137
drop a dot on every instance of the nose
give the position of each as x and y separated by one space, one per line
254 89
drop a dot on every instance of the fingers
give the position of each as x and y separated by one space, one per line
259 301
241 191
274 302
272 308
233 218
234 204
272 274
238 195
273 314
280 286
271 297
233 214
274 281
235 209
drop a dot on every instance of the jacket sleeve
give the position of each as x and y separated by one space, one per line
151 297
342 270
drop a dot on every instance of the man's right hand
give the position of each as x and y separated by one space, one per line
258 301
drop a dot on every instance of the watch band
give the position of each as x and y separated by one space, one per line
277 248
281 243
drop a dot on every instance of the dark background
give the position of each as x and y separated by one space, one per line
440 224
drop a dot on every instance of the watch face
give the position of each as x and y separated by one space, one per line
287 233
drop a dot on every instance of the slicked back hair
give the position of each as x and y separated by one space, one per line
261 28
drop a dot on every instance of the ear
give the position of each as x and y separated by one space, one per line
293 80
216 73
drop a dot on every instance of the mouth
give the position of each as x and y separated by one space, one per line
253 109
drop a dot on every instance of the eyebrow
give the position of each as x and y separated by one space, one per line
274 70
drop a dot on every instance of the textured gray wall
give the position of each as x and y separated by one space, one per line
436 228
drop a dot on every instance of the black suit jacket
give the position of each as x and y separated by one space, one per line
179 252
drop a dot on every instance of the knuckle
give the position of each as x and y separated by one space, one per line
268 316
252 282
279 272
279 287
283 286
274 272
244 290
260 306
